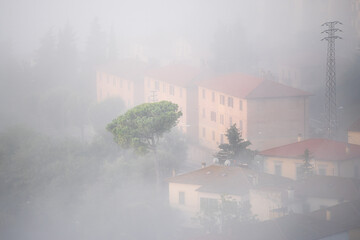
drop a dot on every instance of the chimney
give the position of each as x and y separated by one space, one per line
203 164
328 215
299 137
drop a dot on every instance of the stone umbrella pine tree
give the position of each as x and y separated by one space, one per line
141 128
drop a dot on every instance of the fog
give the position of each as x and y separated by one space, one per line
61 174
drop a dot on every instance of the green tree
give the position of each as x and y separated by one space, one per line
307 169
141 128
236 148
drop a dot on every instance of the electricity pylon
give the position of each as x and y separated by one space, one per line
330 92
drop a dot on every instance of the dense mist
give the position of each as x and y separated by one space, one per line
62 176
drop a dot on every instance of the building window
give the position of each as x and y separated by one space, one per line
120 83
213 116
230 121
203 132
213 135
157 87
213 96
221 119
222 100
171 90
203 113
182 198
221 138
203 93
164 87
208 204
278 169
240 125
230 102
240 105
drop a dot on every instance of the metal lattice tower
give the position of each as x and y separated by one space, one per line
330 92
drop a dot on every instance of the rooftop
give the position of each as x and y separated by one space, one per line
230 180
177 74
320 149
250 87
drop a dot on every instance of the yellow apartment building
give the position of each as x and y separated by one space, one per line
123 79
354 133
267 113
328 157
175 83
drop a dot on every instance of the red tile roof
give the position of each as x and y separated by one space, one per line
230 180
177 74
355 127
320 149
245 86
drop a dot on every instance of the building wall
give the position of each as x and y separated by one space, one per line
262 202
191 205
156 90
354 137
273 122
350 168
212 129
108 85
289 165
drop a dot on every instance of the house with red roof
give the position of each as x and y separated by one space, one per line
193 191
267 113
328 157
354 133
